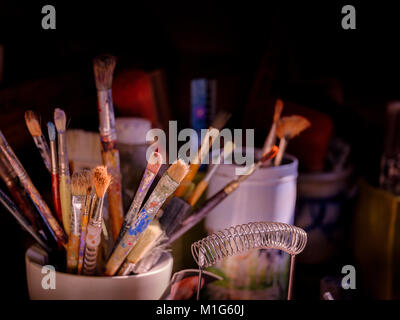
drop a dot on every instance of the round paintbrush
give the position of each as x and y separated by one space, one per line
287 128
35 130
64 175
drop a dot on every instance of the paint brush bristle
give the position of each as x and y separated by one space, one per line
178 170
221 119
104 66
80 182
32 123
155 162
101 180
52 131
270 154
278 110
290 127
60 120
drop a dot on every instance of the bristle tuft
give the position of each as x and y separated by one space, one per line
60 120
101 180
52 131
221 119
155 162
290 127
80 182
104 66
33 124
178 170
278 110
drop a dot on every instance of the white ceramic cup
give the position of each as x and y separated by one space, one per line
146 286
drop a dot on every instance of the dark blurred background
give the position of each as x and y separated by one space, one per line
298 50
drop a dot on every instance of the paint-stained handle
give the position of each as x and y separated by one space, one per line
56 196
116 212
82 242
188 178
72 253
93 239
201 186
65 197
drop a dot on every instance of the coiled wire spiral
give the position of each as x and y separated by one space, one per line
255 235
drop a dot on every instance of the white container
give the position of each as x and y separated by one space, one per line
268 195
146 286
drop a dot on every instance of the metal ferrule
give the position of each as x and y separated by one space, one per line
231 187
78 206
53 157
106 115
97 214
62 154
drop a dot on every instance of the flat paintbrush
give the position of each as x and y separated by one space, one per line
104 66
165 187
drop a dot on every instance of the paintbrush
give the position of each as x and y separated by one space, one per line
152 168
164 188
86 213
12 208
104 66
18 194
51 222
35 130
79 184
212 133
101 182
146 242
217 198
287 128
270 140
55 182
64 175
203 184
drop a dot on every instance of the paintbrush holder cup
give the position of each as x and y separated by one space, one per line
268 195
43 284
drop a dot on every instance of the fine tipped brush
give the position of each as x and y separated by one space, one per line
152 168
270 140
101 182
12 208
51 222
203 184
104 66
217 198
55 180
89 194
287 128
64 175
79 183
165 187
35 130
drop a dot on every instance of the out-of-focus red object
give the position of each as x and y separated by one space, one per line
311 146
133 95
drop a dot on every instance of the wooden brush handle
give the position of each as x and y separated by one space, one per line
186 181
116 212
82 242
201 186
56 196
65 198
93 239
72 253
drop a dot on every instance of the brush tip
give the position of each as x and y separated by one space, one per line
101 180
80 181
52 130
290 127
270 154
178 170
155 162
60 119
32 123
104 66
